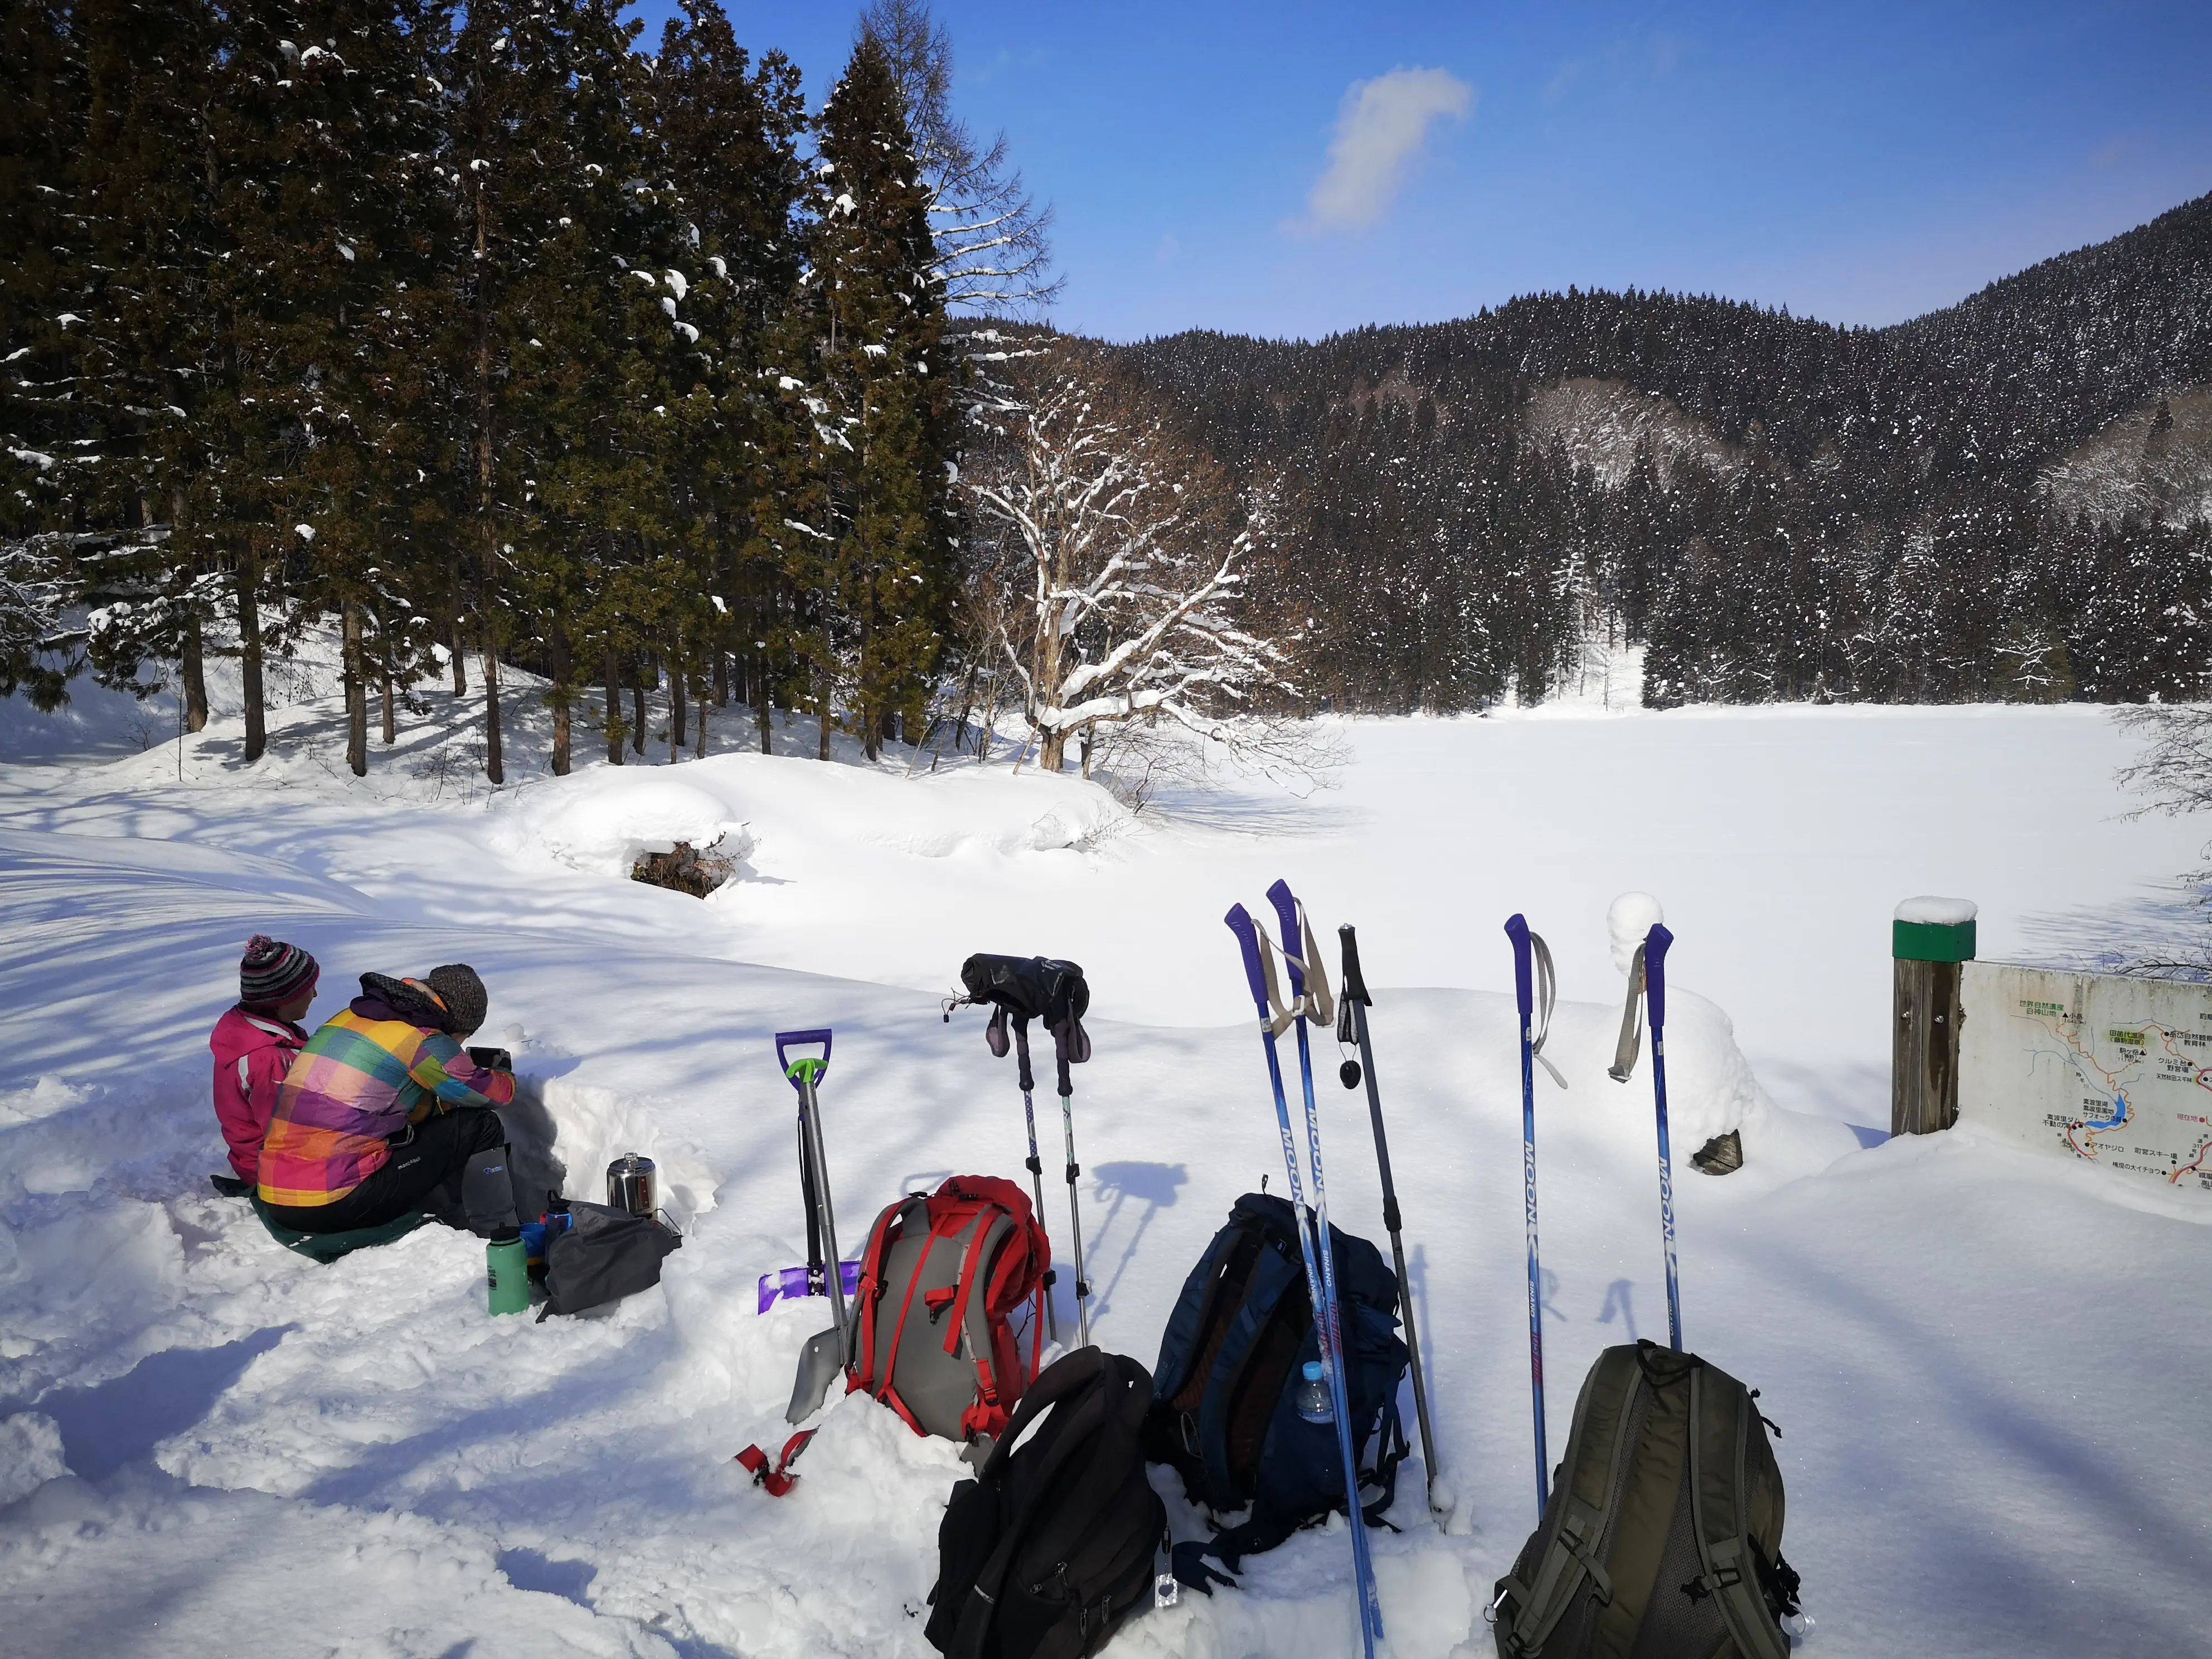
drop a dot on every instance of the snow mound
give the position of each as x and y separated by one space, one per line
604 821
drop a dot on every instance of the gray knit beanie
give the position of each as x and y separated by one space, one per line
463 994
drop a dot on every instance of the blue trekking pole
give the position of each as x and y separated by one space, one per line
1517 929
1325 1326
1655 999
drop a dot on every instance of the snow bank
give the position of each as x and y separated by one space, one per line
271 1456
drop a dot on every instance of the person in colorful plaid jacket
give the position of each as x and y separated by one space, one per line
384 1111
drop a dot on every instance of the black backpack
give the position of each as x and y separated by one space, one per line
1663 1535
604 1255
1051 1548
1239 1336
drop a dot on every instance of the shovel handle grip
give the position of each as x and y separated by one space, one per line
800 1039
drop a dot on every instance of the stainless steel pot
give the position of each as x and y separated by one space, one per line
633 1184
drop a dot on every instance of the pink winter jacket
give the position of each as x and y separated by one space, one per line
252 1052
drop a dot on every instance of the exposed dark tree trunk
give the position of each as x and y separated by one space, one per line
721 679
494 763
384 677
676 710
249 655
761 707
637 707
457 643
822 750
614 719
702 750
193 671
356 690
562 695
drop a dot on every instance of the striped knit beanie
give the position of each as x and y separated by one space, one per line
272 973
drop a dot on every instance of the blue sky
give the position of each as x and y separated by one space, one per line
1296 169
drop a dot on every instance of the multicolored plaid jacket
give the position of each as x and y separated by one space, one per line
360 1078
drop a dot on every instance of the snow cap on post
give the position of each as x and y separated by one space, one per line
1629 921
1932 929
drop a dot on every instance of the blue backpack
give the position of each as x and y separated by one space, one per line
1224 1415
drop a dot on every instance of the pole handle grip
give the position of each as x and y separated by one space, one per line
1655 975
1247 937
801 1039
1525 972
1355 983
1294 944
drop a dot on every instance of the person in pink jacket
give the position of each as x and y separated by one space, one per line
254 1045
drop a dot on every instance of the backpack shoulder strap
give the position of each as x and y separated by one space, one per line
1581 1503
1720 1446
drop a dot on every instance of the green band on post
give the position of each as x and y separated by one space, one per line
1930 941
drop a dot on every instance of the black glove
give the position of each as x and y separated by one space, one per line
1191 1569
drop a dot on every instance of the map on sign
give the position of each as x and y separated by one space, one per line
2115 1070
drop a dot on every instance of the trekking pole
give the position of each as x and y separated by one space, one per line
1028 1080
1303 968
1517 929
1654 995
1074 1213
1257 974
1036 1185
1352 1004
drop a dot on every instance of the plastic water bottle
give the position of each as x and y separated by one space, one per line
1313 1400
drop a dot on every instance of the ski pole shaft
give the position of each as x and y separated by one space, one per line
1330 1322
1075 1222
1390 1212
1333 1357
1524 998
1655 945
1036 1185
1240 924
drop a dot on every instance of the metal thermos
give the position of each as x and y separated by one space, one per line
633 1185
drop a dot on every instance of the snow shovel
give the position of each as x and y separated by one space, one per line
823 1357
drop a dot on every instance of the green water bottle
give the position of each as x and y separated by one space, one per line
507 1272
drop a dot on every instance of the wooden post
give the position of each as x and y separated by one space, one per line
1930 938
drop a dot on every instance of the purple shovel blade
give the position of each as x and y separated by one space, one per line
793 1281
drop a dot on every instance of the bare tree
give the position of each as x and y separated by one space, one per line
2175 770
1125 549
994 254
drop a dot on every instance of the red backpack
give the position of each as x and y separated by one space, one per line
942 1272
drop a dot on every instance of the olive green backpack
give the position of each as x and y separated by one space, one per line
1661 1537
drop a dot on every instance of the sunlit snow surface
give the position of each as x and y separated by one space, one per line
1987 1365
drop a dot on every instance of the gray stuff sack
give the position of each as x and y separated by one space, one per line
604 1256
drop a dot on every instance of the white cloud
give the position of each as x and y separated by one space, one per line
1380 133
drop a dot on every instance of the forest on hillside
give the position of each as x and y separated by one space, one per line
1776 508
494 338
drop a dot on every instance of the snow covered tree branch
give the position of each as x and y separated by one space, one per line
1128 550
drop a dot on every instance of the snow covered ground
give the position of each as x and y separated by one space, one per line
1986 1364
